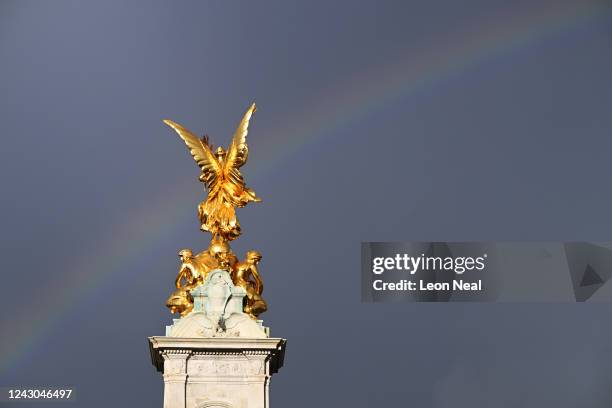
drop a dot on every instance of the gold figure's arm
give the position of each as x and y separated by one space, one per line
238 151
211 169
258 281
183 273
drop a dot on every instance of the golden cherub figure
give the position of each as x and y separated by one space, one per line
189 276
247 276
226 191
222 178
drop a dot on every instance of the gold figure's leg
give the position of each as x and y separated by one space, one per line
180 301
255 304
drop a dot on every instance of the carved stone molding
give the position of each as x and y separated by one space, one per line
216 372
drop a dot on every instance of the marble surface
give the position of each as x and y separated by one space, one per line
217 312
217 355
217 372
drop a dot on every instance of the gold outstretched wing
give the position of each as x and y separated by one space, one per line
238 151
211 169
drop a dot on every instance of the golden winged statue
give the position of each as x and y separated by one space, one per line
221 175
226 190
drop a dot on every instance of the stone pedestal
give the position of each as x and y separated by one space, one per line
217 356
216 372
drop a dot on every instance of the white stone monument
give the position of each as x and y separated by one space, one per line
217 356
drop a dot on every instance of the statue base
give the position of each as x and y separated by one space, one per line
216 355
217 372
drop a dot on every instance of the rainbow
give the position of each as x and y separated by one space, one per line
130 241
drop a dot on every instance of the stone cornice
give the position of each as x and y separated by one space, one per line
274 347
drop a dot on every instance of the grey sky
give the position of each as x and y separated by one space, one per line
387 120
